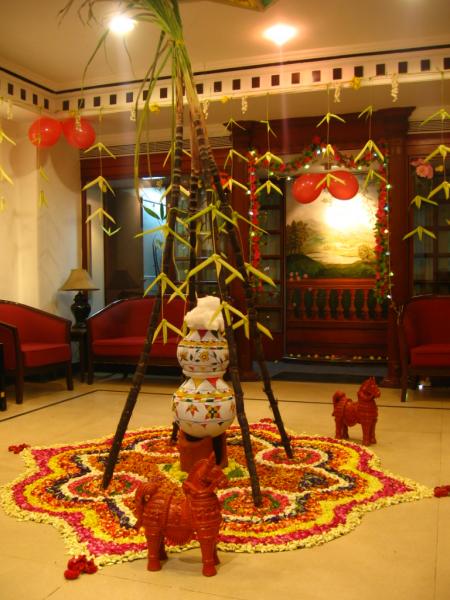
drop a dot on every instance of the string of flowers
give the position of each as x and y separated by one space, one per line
255 234
383 274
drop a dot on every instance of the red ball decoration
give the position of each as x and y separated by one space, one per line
80 135
346 190
44 132
305 188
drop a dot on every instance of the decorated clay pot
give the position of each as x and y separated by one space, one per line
204 404
203 353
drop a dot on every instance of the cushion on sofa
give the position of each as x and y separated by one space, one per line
132 346
38 354
430 355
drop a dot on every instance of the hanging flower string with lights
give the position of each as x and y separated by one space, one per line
375 160
255 234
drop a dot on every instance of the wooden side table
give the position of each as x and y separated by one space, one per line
79 334
2 381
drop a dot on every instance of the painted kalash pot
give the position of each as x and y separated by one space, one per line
204 406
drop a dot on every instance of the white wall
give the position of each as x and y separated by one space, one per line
39 245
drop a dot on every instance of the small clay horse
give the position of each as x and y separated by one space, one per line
347 413
180 516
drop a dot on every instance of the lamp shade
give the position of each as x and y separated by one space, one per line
78 280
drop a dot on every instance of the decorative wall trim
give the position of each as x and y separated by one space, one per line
293 76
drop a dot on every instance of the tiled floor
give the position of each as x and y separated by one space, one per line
397 553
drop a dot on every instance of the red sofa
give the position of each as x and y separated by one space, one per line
33 340
116 333
424 338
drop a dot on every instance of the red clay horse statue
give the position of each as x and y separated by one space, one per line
181 517
347 413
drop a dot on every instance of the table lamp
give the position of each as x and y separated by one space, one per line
79 281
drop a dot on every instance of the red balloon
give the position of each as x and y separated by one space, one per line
305 188
44 132
81 135
346 190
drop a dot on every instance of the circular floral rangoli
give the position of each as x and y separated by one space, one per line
315 497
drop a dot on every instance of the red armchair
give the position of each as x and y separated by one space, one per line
424 338
33 340
116 333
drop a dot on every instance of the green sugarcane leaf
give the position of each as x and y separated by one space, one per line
259 274
235 311
150 212
153 230
199 214
264 330
229 267
201 266
237 215
153 283
174 329
179 292
178 237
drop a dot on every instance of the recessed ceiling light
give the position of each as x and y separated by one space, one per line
280 34
121 24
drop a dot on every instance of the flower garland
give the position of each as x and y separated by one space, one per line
308 500
309 156
255 234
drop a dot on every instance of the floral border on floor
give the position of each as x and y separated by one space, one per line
311 499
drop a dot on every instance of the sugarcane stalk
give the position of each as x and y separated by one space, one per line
139 373
206 156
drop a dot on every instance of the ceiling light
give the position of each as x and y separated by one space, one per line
280 34
121 24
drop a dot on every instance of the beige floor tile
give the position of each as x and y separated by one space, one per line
396 553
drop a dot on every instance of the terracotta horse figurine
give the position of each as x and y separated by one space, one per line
347 413
182 515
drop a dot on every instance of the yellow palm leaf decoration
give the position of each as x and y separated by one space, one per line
269 186
328 178
368 111
441 113
232 153
420 231
328 118
445 186
418 200
232 122
42 199
369 147
110 232
3 136
100 213
441 149
5 177
101 148
269 157
102 184
231 182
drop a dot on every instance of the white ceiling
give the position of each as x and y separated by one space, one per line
36 44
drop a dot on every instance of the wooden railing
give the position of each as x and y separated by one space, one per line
333 300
